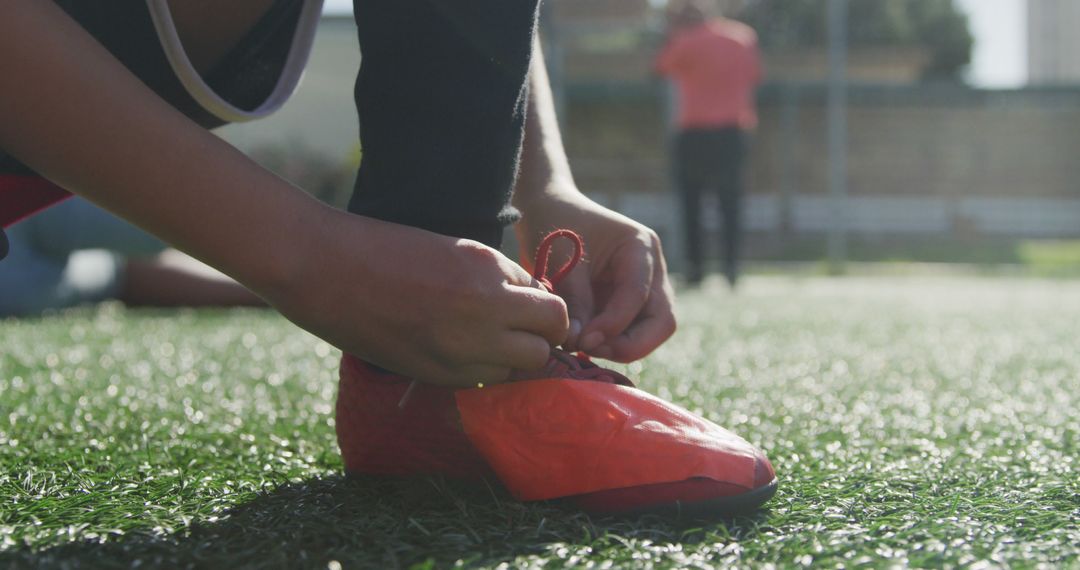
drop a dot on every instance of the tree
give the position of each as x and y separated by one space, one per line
936 24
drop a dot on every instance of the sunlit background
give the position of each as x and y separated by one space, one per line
920 409
959 124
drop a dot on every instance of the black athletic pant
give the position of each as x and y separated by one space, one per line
441 96
710 160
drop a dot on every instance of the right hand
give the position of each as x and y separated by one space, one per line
438 309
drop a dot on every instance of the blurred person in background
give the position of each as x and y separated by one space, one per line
715 65
50 266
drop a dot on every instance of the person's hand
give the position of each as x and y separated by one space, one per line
438 309
432 308
620 299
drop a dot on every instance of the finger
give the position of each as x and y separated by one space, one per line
655 325
538 312
467 377
638 341
513 350
576 291
520 351
517 275
631 290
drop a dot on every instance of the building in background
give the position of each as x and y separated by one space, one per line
1053 42
612 12
929 156
933 160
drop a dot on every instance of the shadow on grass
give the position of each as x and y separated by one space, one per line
376 523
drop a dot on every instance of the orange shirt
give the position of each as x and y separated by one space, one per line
715 67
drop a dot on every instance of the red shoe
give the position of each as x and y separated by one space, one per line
571 431
587 435
389 425
580 432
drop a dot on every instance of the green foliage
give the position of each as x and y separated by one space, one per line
922 422
936 24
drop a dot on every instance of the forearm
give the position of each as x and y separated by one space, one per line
69 110
430 307
544 169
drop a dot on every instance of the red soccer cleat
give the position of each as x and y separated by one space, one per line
583 433
390 425
610 448
572 431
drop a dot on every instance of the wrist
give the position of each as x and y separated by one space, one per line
534 195
560 208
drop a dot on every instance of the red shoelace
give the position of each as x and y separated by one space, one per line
543 252
563 364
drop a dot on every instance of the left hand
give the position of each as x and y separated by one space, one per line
619 300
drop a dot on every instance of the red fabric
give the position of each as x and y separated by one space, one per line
21 196
715 67
383 431
567 366
555 438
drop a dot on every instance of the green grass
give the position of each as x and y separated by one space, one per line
928 421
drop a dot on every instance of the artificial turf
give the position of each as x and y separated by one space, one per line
927 422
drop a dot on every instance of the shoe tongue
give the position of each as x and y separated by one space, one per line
564 365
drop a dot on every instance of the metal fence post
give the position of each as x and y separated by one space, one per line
837 133
789 162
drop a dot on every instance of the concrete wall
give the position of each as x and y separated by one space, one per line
922 159
1053 42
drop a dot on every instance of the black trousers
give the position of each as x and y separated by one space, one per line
441 95
710 160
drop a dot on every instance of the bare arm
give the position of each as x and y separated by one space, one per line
456 312
544 165
73 113
620 302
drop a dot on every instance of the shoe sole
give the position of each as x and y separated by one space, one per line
719 507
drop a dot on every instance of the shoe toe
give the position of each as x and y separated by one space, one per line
763 470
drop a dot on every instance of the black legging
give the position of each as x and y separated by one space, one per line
710 160
441 96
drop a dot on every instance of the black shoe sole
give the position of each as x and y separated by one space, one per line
719 507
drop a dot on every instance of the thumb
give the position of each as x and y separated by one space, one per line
576 291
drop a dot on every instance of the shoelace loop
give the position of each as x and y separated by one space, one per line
544 251
562 364
579 367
